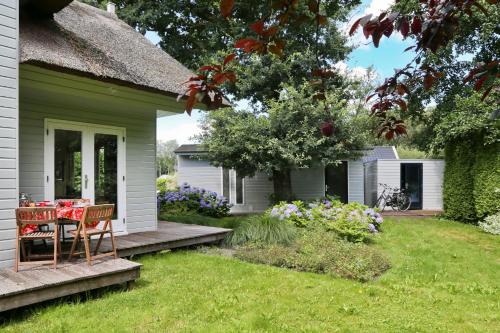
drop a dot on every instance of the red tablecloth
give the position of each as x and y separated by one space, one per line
64 211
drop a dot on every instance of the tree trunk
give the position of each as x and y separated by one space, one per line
282 182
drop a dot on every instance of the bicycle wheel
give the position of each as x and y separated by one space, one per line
403 202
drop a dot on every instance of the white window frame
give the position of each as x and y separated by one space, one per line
88 131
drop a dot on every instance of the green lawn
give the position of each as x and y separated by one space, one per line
230 222
445 278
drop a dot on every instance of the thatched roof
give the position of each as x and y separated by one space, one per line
92 42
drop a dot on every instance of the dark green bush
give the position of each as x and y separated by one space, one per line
263 229
471 188
318 251
458 187
486 172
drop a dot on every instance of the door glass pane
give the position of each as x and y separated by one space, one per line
239 189
336 181
225 183
411 181
106 170
67 164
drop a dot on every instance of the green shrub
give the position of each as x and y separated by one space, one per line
320 252
486 172
491 224
471 187
458 187
354 222
166 183
262 229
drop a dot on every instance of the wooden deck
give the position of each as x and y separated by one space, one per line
36 284
169 235
41 283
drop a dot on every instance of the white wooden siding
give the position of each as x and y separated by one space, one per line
198 173
8 128
44 95
355 186
257 190
389 172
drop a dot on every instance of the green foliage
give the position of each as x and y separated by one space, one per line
491 224
320 252
287 137
193 199
193 32
439 271
410 153
353 222
471 137
165 157
471 187
166 183
470 118
486 174
230 222
263 230
458 187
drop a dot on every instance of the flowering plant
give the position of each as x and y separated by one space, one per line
491 224
194 199
354 221
292 212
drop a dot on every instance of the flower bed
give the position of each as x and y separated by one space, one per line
194 199
354 222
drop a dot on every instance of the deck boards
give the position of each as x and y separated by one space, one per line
169 235
35 284
40 283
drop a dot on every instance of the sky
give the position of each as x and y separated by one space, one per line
384 59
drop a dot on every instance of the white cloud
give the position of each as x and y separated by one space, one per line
182 132
357 72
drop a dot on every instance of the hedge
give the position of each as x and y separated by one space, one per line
471 189
458 187
486 173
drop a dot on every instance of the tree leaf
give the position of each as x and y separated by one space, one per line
428 82
258 27
226 7
191 100
228 58
416 25
354 26
405 27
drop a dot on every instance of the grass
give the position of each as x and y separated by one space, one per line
445 277
230 222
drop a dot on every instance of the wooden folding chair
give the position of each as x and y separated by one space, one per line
35 216
65 222
89 227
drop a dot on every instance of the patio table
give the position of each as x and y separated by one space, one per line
67 213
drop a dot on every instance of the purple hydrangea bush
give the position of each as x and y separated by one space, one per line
354 222
194 199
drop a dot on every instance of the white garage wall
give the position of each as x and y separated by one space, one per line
389 172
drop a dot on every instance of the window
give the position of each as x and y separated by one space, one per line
239 189
225 183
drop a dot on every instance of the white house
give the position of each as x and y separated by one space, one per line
80 92
352 180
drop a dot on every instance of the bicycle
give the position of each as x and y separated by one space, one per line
394 197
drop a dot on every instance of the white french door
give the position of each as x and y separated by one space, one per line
86 161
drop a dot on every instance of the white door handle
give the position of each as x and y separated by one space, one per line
86 181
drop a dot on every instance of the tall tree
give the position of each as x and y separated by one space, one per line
286 138
165 157
195 33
